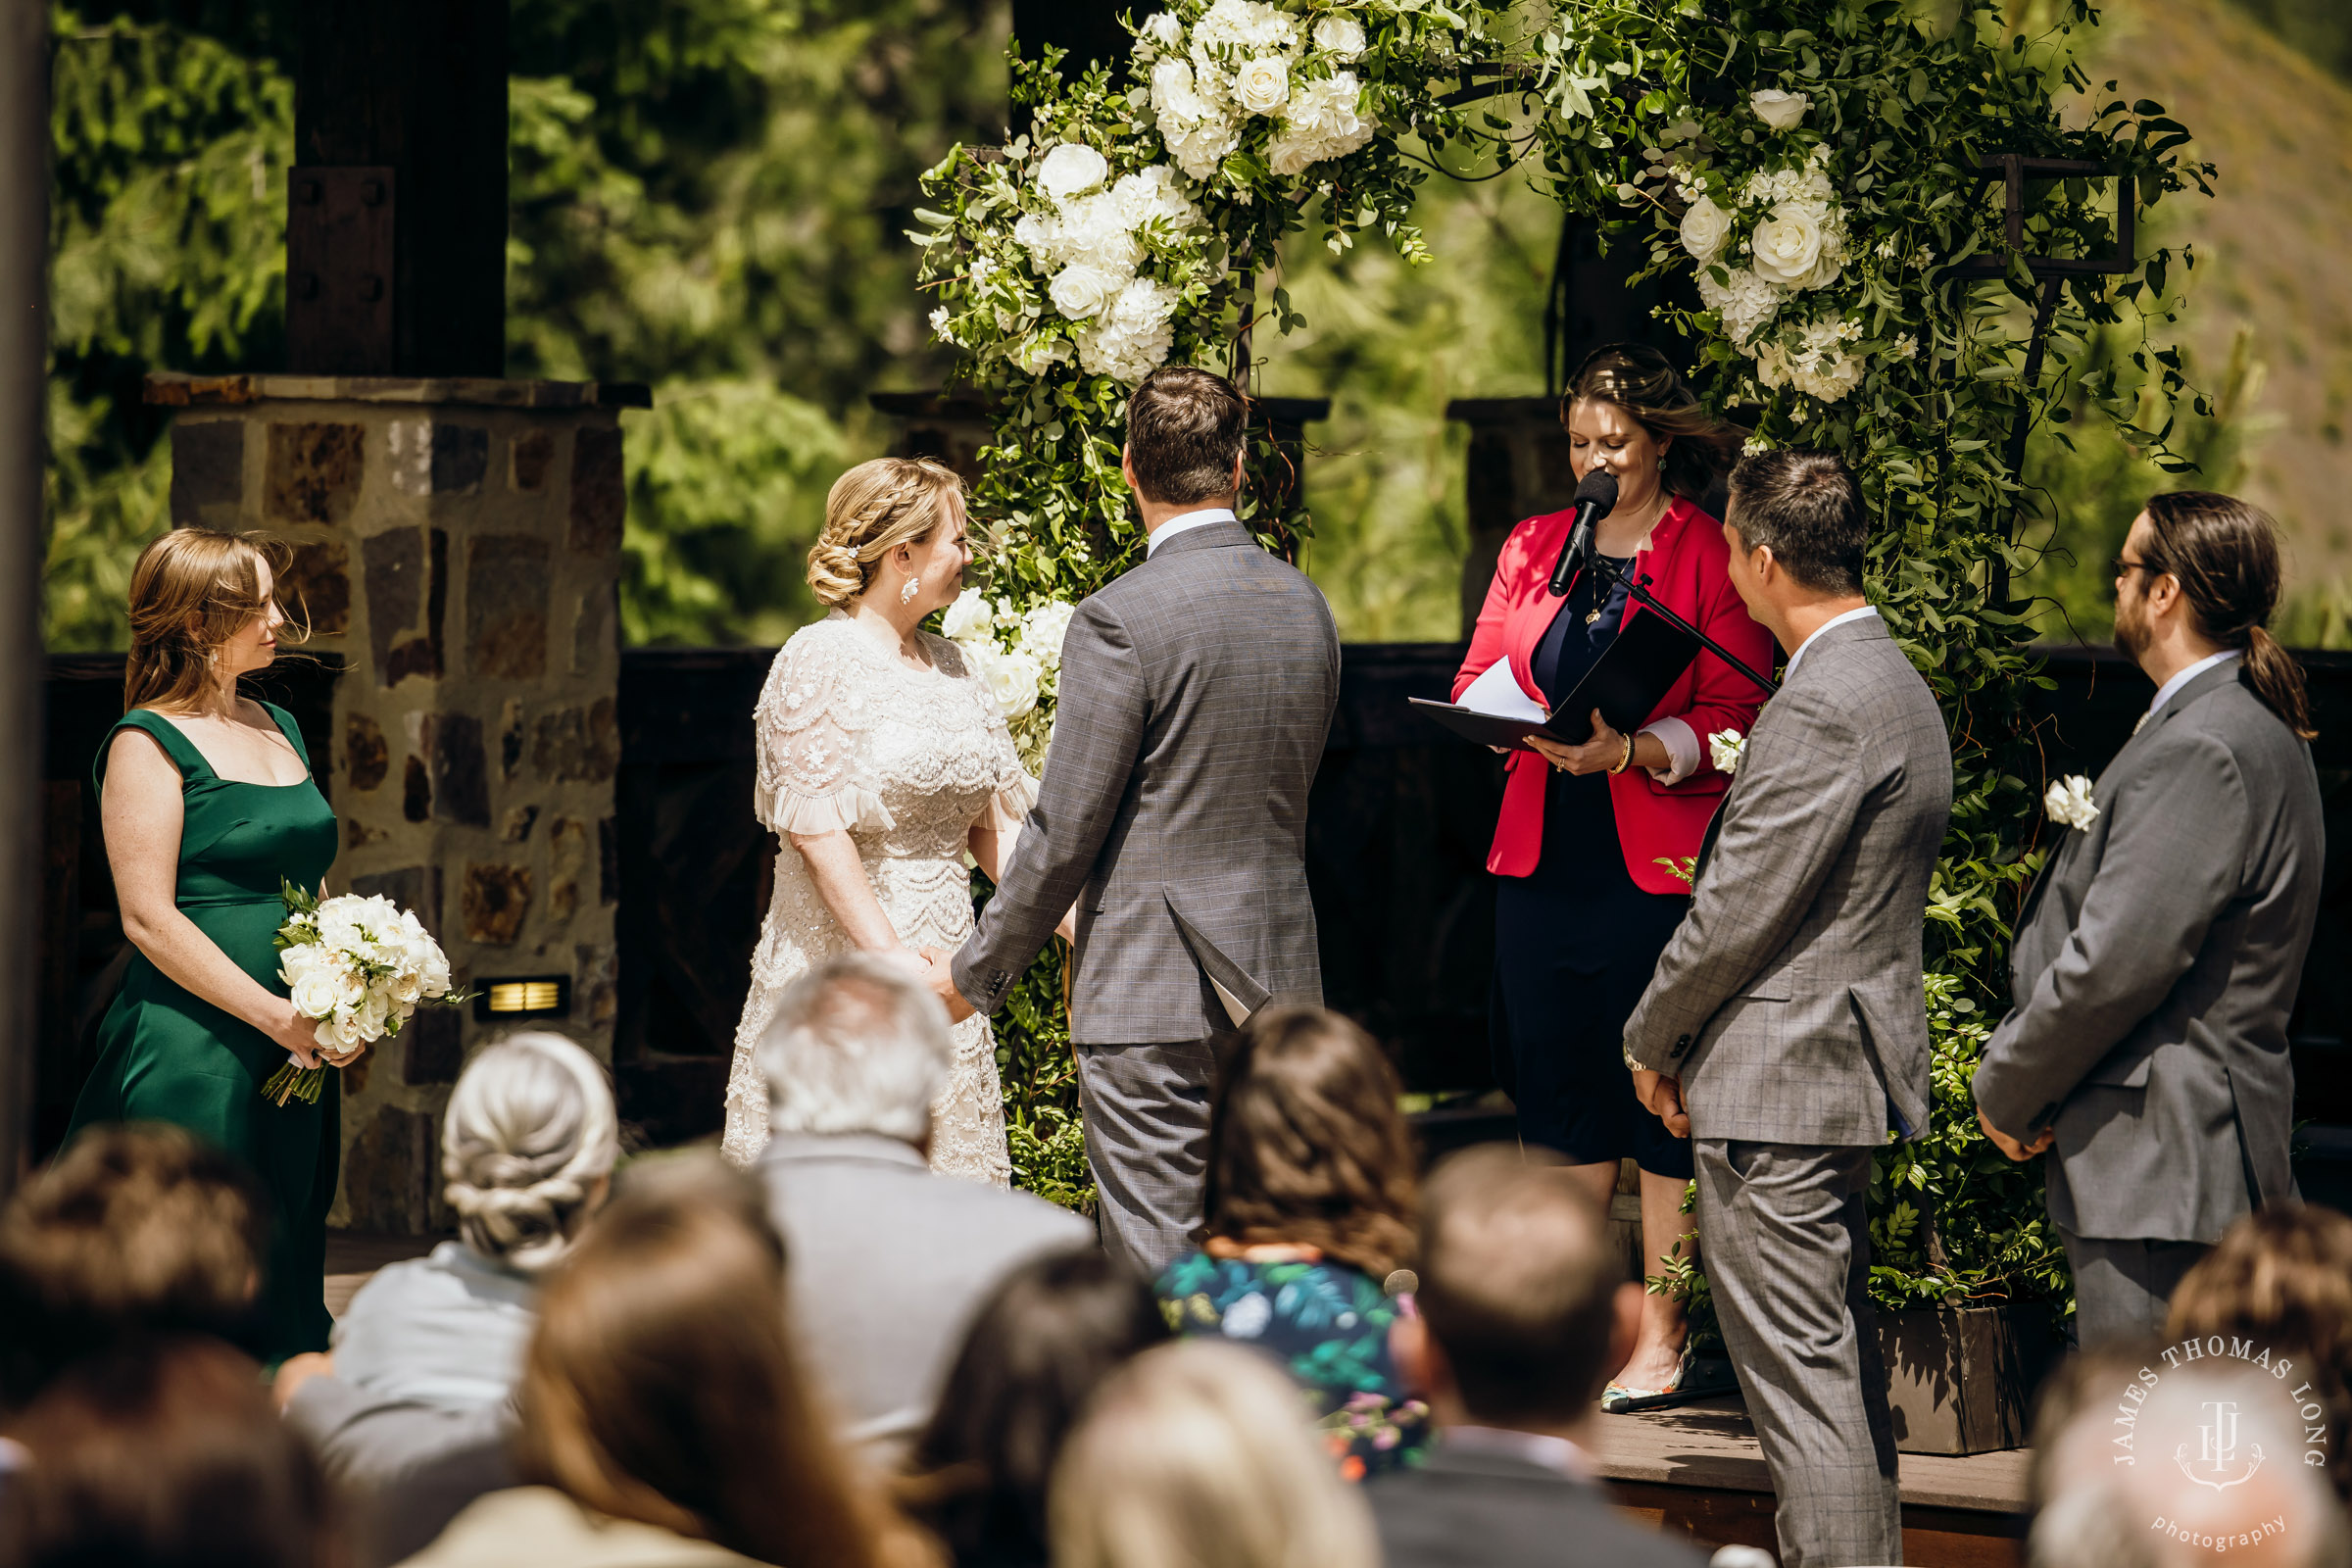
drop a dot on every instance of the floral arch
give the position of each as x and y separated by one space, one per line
1830 174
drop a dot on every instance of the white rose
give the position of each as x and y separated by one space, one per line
1162 30
2068 802
1010 680
1786 245
1341 37
1705 226
1071 169
967 618
1263 84
436 974
1083 289
316 994
1778 110
1724 749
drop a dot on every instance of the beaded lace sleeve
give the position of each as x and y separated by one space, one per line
812 724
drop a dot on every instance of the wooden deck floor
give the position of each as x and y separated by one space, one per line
1699 1470
353 1256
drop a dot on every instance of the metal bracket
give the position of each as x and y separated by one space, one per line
339 259
2014 169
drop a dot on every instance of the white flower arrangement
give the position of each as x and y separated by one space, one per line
1016 657
1725 748
359 967
2068 802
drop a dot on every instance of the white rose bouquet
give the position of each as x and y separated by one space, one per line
358 966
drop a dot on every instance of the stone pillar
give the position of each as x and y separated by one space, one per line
457 546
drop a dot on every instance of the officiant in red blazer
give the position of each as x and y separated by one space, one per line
1590 850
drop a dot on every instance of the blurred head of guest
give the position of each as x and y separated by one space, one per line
1197 1452
527 1148
892 1260
663 1389
2260 1506
1524 1310
856 1045
1309 1211
1053 1330
136 1227
163 1453
2281 1277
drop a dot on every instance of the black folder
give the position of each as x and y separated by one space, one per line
1626 683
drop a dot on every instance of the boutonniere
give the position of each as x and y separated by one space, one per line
1725 748
2068 802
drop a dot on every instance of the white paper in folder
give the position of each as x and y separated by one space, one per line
1497 692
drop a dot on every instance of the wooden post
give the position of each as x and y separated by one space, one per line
396 224
23 356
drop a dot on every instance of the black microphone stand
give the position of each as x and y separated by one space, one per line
1615 576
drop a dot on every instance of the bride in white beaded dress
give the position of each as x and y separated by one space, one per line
881 763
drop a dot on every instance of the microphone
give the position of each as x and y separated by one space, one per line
1595 498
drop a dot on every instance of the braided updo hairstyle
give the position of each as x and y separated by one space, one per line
870 511
531 1133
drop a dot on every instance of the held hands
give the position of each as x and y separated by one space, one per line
1604 751
2010 1145
1663 1095
940 976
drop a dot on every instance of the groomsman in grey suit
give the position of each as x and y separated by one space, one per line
1784 1030
2159 959
1197 691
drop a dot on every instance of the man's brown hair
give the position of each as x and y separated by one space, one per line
1184 433
2225 553
1807 508
1305 1144
1518 1286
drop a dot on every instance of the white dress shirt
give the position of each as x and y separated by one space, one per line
1185 522
1833 620
2165 692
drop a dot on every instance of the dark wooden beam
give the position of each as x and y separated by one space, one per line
1087 28
397 208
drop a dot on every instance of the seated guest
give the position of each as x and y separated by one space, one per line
1524 1308
137 1229
666 1419
2281 1277
1054 1328
1310 1205
1196 1453
889 1261
410 1409
161 1452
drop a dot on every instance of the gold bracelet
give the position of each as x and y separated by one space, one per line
1627 760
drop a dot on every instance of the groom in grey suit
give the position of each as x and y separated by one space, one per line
2159 959
1784 1030
1197 691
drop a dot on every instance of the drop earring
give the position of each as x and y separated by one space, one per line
907 593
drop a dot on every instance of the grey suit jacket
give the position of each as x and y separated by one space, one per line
888 1263
1197 692
1491 1510
2154 973
1789 1000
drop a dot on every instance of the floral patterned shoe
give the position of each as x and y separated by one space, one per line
1619 1400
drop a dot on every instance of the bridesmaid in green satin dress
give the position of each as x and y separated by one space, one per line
208 800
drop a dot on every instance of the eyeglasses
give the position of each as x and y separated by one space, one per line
2119 566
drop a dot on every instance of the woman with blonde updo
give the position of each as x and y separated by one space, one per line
882 762
208 804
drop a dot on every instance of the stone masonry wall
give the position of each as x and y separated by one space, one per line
463 557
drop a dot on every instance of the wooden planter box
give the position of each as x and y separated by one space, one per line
1961 1380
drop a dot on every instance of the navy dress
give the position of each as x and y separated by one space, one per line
1576 942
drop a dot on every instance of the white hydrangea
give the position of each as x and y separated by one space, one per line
1132 337
1034 354
1246 26
1323 123
1191 121
1746 302
1821 365
1044 625
1152 193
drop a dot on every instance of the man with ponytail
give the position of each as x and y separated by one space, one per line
2158 958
